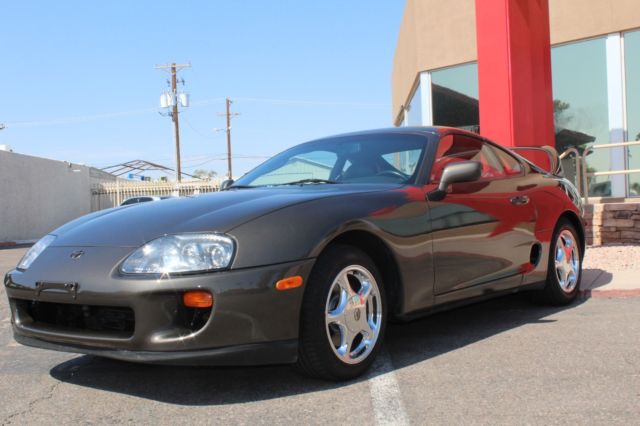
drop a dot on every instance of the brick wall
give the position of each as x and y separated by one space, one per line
613 223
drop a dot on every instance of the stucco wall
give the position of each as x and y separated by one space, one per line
37 195
436 34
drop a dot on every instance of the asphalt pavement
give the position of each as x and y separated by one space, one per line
506 361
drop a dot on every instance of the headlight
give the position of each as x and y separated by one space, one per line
35 251
181 253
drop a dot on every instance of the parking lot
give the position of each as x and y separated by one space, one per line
504 361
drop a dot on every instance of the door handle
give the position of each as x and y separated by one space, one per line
520 200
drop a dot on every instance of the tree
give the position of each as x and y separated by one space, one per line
204 174
560 105
560 118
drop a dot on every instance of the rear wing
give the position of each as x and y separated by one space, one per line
543 157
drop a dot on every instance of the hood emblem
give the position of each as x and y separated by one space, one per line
76 254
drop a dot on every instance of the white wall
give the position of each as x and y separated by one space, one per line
37 195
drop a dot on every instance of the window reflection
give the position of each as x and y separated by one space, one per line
579 73
632 81
414 109
455 97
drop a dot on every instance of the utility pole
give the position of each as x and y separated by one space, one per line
176 125
172 101
229 114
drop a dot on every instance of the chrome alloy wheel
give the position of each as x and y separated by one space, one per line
353 314
567 261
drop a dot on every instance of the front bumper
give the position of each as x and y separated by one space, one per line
250 323
284 352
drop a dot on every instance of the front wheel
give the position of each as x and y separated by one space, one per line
565 265
343 315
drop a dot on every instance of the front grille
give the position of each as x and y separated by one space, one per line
112 321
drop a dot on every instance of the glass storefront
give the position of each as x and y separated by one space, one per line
454 93
413 115
632 83
580 103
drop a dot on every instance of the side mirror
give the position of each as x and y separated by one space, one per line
463 171
225 184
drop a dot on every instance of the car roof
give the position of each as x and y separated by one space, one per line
425 130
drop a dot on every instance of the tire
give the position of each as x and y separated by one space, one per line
340 335
563 279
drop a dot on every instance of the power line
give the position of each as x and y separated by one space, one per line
76 119
225 158
318 103
198 159
200 103
199 133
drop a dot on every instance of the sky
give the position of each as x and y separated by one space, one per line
79 83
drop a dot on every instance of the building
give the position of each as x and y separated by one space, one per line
38 194
595 67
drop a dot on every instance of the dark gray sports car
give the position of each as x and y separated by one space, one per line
304 259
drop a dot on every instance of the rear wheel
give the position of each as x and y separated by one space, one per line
343 315
565 265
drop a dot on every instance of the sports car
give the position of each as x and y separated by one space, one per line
306 258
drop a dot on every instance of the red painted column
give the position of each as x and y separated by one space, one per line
514 72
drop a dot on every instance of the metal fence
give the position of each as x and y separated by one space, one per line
582 175
112 194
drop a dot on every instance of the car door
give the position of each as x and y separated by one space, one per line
482 231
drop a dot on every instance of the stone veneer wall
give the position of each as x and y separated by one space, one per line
613 223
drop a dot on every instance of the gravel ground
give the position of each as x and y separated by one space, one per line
612 258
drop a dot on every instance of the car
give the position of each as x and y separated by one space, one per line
305 259
144 199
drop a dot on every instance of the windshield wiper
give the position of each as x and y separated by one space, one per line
304 181
238 187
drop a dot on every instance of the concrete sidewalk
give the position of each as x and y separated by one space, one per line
611 271
601 283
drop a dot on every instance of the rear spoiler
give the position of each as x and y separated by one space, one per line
543 157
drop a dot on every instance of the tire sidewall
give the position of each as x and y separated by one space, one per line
553 288
313 332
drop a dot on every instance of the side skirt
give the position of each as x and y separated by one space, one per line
466 297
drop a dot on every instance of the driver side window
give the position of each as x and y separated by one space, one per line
456 148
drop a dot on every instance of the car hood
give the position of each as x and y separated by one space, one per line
132 226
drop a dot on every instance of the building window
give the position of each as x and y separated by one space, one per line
632 83
454 93
413 116
580 103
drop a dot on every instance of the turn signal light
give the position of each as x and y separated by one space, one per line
197 299
289 283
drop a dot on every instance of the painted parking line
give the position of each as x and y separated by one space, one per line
386 398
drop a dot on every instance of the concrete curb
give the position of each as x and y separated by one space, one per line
610 294
11 244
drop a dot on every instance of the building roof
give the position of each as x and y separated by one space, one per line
137 167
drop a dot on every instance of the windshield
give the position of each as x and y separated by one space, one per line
382 158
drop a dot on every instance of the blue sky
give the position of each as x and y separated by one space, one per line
79 83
